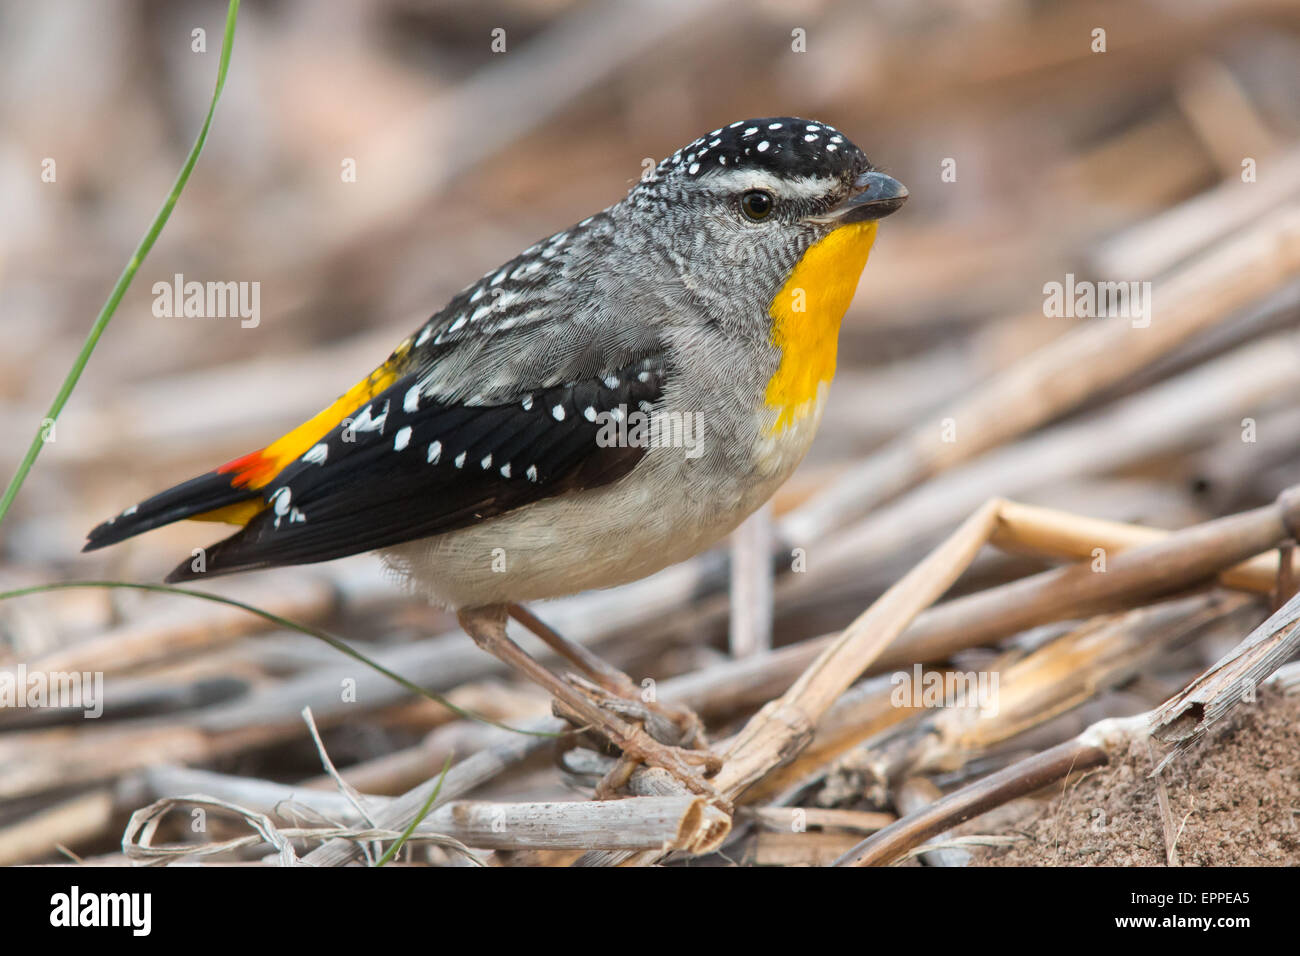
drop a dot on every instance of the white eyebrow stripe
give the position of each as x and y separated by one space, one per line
740 179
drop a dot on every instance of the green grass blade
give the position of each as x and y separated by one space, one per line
332 640
419 817
124 280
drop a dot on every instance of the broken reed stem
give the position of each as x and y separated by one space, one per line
1220 686
1178 561
657 821
1021 778
778 731
1186 716
1031 690
1050 532
782 728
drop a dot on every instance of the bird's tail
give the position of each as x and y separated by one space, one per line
219 495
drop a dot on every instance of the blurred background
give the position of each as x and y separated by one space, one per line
1033 145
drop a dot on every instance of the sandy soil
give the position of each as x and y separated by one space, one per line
1234 800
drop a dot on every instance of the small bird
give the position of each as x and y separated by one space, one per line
613 400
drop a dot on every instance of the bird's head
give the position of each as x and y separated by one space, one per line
740 207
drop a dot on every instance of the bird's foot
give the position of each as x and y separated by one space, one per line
660 736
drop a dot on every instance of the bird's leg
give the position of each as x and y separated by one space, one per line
624 695
487 626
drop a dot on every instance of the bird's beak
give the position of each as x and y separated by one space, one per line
874 196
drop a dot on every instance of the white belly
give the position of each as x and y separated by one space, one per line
668 509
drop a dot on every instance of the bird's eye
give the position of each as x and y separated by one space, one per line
756 204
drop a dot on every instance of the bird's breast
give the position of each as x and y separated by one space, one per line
806 316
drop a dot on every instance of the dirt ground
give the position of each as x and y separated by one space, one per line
1234 800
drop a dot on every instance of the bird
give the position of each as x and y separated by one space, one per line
615 399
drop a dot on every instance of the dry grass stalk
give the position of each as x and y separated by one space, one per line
783 727
1092 748
1082 753
1053 678
1233 678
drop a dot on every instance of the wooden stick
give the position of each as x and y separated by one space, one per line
751 585
784 727
64 823
912 796
1167 418
970 801
1187 716
1092 748
659 822
784 819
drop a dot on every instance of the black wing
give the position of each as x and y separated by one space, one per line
408 465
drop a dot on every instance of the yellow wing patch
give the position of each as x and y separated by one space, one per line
258 469
806 316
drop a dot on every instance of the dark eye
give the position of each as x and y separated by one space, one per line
756 204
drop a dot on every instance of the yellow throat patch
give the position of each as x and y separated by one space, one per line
806 317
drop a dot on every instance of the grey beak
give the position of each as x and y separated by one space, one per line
875 196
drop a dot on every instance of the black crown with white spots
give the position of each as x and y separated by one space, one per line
782 145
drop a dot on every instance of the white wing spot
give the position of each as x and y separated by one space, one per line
528 403
558 412
435 452
411 402
317 454
280 503
402 438
531 473
460 460
486 463
762 147
505 470
368 421
589 414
